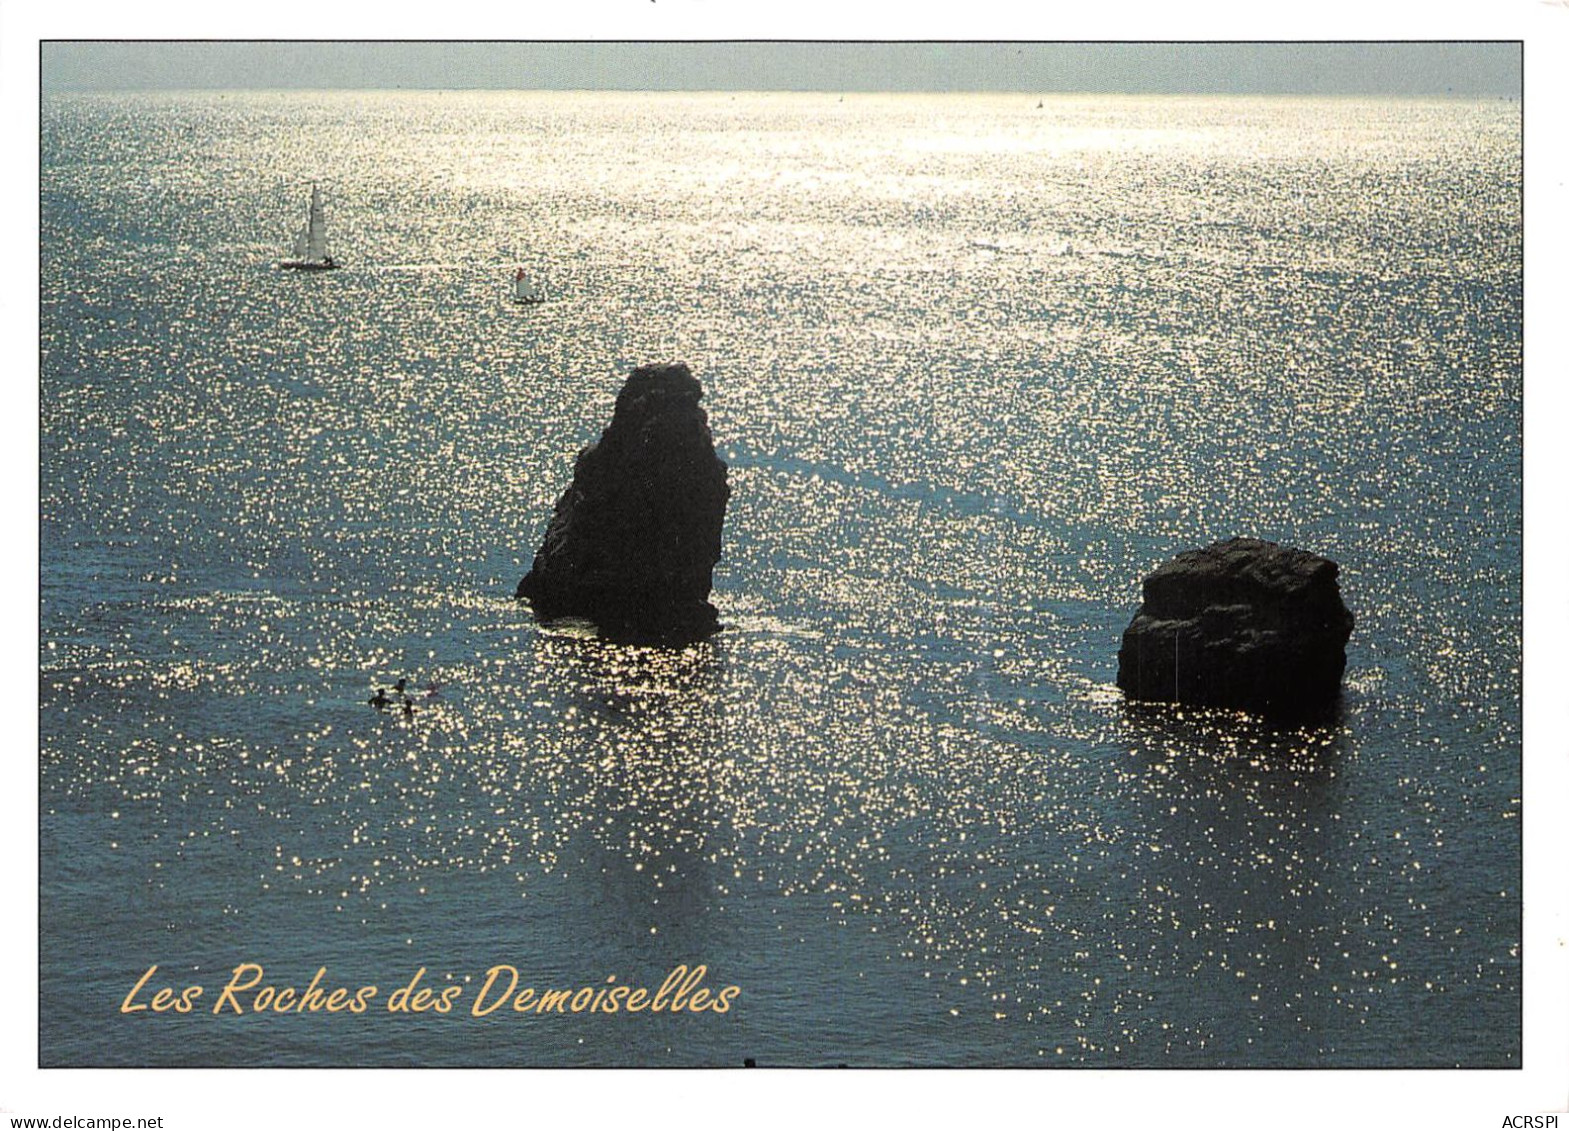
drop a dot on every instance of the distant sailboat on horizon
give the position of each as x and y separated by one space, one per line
310 245
524 291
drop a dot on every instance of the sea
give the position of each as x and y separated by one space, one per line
977 364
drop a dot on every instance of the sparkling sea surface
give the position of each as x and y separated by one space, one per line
976 367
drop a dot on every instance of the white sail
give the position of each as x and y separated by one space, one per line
523 288
310 244
316 238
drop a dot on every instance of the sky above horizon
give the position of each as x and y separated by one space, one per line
1412 69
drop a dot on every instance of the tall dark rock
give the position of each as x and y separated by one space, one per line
634 539
1245 624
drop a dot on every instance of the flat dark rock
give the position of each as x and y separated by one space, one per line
634 540
1245 624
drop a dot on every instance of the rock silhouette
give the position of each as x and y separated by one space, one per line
634 540
1245 624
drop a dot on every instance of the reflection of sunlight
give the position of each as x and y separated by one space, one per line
611 671
954 447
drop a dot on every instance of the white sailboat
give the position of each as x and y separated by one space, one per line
523 289
310 245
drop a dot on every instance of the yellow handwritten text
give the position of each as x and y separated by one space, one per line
681 991
409 1000
248 975
248 992
163 1000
